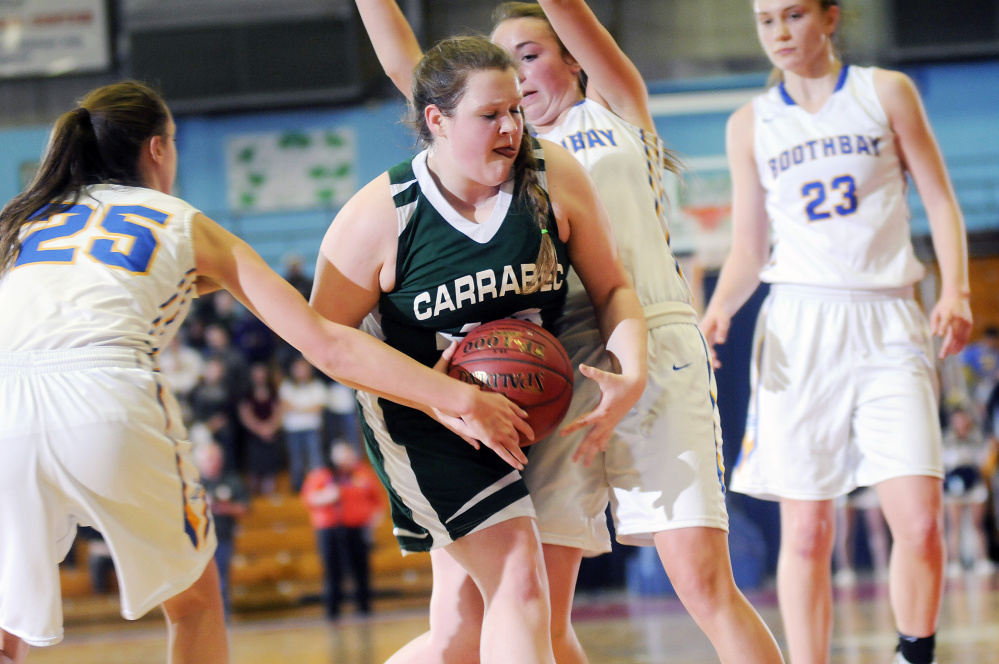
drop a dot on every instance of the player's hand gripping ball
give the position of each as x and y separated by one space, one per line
522 361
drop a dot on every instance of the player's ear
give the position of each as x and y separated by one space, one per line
436 120
156 147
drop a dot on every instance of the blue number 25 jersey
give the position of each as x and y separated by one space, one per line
835 189
116 269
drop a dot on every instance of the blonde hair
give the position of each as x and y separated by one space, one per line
776 76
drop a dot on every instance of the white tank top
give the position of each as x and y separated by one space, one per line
117 269
625 162
835 189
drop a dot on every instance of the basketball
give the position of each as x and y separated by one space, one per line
522 361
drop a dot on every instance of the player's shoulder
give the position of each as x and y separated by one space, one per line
744 116
557 159
893 85
896 91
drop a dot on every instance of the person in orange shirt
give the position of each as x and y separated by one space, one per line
344 502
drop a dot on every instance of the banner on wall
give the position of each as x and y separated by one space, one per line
54 37
291 170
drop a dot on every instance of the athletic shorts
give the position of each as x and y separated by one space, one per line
440 488
844 394
663 467
93 437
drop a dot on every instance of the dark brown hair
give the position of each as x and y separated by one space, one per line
97 142
440 80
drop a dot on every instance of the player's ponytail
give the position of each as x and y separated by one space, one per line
97 142
528 173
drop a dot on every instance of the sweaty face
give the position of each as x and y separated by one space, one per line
795 35
549 80
483 134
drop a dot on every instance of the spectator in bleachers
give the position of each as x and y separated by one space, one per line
260 416
342 418
344 503
211 406
303 397
225 310
980 362
228 500
182 366
253 339
965 492
218 345
294 274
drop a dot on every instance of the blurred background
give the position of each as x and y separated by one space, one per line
283 113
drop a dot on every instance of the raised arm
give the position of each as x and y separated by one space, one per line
593 252
393 39
349 355
951 317
612 77
740 275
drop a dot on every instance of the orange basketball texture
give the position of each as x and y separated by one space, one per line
522 361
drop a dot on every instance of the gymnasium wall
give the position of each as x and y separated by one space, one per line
960 99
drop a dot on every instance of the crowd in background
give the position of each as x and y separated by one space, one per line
243 388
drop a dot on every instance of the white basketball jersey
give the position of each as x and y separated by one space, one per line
116 269
625 162
835 189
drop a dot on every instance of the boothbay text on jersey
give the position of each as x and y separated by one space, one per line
830 146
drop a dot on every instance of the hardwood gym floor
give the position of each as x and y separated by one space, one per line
614 629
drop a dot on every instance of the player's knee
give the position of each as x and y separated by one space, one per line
204 596
703 587
921 531
812 540
13 649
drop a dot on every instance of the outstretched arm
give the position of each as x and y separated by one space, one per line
583 221
612 77
393 39
348 355
951 317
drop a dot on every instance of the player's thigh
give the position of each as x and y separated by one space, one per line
665 464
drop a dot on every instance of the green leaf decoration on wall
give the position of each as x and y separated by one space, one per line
291 170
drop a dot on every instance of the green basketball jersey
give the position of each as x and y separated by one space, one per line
453 274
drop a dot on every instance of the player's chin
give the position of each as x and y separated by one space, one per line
497 172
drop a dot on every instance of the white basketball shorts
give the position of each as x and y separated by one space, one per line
845 394
663 467
93 437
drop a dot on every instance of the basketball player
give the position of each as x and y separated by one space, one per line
480 225
662 470
845 388
98 267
